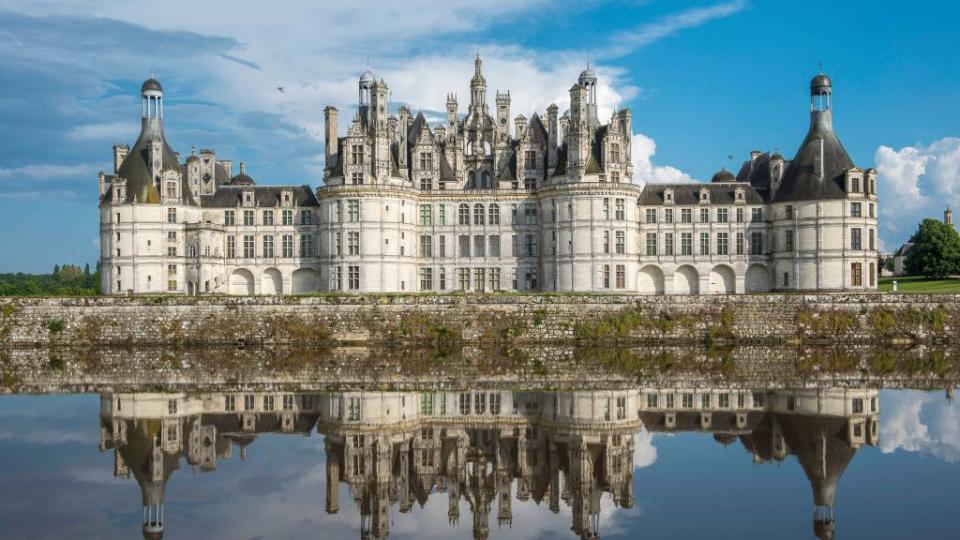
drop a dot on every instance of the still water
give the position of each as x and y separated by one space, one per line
506 463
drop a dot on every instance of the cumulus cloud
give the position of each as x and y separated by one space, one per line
923 422
644 453
642 150
922 179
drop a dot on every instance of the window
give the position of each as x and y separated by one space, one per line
789 211
668 215
615 153
651 244
353 278
171 406
873 210
723 215
621 242
426 279
464 404
621 276
739 243
464 243
494 241
426 214
856 274
704 243
756 214
494 403
530 245
356 154
478 214
494 214
306 245
442 245
172 251
705 400
615 177
353 243
686 243
788 239
268 246
231 247
620 212
855 185
248 218
479 246
171 215
268 217
426 245
668 244
606 242
530 214
172 285
336 278
756 243
287 216
855 209
494 274
857 405
723 401
856 242
287 245
248 246
288 402
686 215
353 210
870 240
354 411
306 217
652 400
530 159
606 276
464 276
228 218
606 208
171 235
268 403
651 215
786 279
426 161
230 403
687 400
464 214
723 243
338 244
704 215
739 215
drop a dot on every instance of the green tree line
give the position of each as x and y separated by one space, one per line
66 280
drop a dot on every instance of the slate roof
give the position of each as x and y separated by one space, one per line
689 193
799 182
136 170
264 196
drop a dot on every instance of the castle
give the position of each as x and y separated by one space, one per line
487 448
473 205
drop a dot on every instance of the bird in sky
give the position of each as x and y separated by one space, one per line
280 88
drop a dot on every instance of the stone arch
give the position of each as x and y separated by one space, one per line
723 280
304 280
485 180
272 282
650 280
686 280
471 179
757 279
241 282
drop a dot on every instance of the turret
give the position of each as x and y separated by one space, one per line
821 102
478 88
521 125
503 117
452 113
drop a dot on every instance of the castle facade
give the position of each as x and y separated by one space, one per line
481 203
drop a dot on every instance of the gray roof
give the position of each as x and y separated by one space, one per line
757 172
687 194
141 187
799 182
151 84
264 196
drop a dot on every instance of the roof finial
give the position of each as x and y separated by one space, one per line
820 67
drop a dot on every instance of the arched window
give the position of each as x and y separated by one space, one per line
471 180
478 214
464 213
485 178
494 218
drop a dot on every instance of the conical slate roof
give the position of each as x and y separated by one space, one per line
821 150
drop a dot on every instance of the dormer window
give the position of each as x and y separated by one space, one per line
668 196
704 196
739 195
248 198
286 198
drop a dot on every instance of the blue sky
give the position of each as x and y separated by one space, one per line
705 80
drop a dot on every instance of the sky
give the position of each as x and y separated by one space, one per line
707 80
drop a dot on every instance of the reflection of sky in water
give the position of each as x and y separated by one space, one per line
56 484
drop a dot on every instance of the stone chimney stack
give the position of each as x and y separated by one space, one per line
120 152
330 134
948 216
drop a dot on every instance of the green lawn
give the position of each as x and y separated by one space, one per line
920 285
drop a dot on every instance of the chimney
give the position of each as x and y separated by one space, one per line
521 125
948 216
120 152
330 134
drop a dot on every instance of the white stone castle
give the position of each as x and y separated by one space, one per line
473 205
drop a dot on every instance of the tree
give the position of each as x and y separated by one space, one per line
935 252
86 269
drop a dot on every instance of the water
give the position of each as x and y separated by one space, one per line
497 461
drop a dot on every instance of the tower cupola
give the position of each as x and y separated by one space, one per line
151 94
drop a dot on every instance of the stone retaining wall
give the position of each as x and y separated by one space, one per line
453 320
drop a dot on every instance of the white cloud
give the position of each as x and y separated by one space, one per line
644 453
107 131
642 150
48 172
626 42
915 421
921 179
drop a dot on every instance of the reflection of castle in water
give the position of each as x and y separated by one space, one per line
393 449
